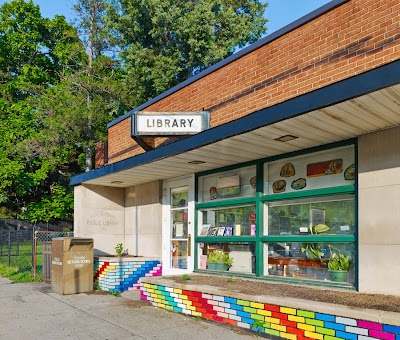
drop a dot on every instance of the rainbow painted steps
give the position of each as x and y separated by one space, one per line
285 318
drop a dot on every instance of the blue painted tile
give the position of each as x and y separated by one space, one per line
345 335
229 300
324 317
391 329
243 314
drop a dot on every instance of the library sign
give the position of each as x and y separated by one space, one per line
169 123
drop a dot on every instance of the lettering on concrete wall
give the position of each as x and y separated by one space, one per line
102 218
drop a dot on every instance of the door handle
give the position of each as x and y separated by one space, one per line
189 245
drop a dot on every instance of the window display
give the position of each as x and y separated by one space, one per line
293 259
240 182
300 217
233 257
323 169
235 221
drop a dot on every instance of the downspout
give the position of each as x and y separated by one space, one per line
137 220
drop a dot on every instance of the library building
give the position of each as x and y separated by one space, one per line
280 163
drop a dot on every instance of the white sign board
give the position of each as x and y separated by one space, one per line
169 123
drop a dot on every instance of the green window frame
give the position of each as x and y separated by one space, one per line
261 198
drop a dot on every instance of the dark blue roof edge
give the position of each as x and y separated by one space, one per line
370 81
267 39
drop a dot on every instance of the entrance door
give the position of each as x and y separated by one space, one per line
178 215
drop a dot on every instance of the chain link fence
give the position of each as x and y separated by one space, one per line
28 246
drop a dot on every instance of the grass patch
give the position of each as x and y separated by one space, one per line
20 269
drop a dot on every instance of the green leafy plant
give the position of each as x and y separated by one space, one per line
185 277
119 249
339 261
219 256
313 250
118 294
230 280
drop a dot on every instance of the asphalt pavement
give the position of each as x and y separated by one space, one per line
33 311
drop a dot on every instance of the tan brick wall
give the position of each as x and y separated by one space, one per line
351 39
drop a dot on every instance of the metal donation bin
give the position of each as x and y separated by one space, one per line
72 265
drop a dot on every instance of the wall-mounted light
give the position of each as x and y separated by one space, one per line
196 162
286 138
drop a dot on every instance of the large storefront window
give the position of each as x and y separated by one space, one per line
333 215
237 221
289 218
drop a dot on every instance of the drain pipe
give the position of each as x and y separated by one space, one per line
137 219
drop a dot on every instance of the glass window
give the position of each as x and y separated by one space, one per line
236 221
310 261
233 257
240 182
324 169
312 216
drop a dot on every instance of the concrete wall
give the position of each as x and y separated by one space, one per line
379 211
113 215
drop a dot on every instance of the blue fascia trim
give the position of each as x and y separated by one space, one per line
373 80
264 41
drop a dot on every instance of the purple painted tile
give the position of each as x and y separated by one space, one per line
381 335
370 325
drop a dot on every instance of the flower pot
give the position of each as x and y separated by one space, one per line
217 266
338 275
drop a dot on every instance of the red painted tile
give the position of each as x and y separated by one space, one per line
207 316
272 308
279 315
288 323
187 292
218 318
197 294
295 331
230 322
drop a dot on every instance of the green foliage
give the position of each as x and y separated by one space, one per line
219 256
119 249
230 280
165 42
313 250
116 294
339 261
185 277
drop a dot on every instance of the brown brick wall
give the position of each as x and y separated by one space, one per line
101 154
351 39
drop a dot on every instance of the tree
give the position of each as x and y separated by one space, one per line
33 52
165 42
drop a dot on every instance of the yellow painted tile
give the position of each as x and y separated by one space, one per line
147 285
296 318
288 336
157 300
288 310
177 290
278 327
150 290
313 335
160 305
196 313
306 327
257 305
272 320
183 297
264 312
191 307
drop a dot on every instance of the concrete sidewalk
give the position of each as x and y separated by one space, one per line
33 311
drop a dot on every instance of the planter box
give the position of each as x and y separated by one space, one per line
118 274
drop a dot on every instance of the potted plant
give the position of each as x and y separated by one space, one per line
338 266
313 251
218 260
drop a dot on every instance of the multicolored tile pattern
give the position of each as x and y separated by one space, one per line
289 323
119 276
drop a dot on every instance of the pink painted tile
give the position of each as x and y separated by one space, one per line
369 325
381 335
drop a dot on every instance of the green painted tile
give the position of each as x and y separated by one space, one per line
323 330
315 322
249 310
328 337
271 331
169 307
257 317
306 314
243 302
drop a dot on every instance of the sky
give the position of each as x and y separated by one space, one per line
279 12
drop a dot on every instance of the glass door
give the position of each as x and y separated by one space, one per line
179 231
178 215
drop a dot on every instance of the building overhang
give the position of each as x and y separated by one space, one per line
358 105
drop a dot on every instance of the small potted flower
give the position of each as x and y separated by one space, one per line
218 260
